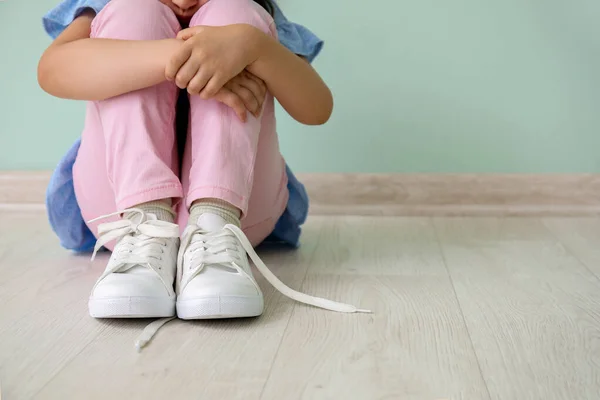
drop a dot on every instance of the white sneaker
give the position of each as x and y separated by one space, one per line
138 280
214 279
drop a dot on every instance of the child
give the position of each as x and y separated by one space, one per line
232 188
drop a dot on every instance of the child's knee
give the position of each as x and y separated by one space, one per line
228 12
135 20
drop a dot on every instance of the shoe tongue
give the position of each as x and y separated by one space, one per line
211 222
151 217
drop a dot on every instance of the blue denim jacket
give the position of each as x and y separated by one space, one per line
63 210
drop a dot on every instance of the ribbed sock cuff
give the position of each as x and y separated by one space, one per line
161 208
214 206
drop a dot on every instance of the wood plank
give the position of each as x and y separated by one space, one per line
414 346
532 309
208 360
376 245
581 236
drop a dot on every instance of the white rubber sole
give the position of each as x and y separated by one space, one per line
131 307
216 307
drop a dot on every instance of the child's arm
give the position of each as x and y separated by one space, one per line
77 67
293 81
202 66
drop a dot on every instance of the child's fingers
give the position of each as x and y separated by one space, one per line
177 61
197 83
216 82
251 101
260 82
187 33
257 89
186 73
232 100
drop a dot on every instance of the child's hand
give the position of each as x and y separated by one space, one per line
245 92
211 57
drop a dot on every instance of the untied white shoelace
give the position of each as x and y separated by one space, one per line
120 229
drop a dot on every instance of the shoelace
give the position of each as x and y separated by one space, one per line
206 248
149 331
154 232
286 290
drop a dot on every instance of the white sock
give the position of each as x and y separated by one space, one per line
230 214
161 208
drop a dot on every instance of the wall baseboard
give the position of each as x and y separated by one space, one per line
400 194
23 189
454 194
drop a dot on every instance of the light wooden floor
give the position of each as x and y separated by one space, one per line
486 308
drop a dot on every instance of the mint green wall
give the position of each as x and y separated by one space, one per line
420 86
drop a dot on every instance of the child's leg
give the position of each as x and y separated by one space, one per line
128 157
230 168
128 150
235 162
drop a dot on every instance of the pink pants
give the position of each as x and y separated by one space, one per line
128 152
